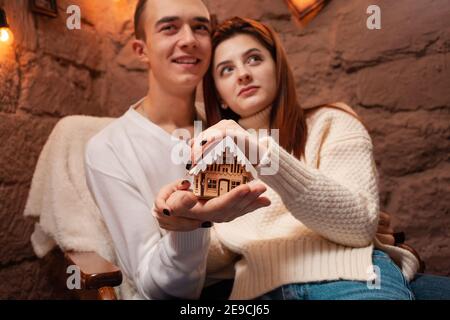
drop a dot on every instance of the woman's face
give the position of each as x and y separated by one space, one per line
244 74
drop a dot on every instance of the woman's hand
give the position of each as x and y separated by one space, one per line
220 130
178 209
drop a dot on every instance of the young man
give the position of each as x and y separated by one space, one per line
128 162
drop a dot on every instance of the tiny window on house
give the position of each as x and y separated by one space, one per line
212 183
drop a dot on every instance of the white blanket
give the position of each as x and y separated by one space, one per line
59 197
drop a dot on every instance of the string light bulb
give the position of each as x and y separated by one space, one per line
6 36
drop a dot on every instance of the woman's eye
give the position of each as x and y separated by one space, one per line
254 59
226 70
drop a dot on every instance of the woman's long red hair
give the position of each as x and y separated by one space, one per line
286 114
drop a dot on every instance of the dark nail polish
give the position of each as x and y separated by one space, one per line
188 166
399 237
207 224
203 142
166 212
184 182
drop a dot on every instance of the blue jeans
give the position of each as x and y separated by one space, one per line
430 287
392 286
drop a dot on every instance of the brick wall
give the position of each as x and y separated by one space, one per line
396 78
52 72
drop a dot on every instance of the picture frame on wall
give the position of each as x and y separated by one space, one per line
305 10
46 7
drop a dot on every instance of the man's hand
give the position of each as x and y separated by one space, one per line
178 209
385 233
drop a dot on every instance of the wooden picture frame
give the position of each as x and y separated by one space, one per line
305 10
46 7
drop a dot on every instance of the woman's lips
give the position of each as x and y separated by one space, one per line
248 91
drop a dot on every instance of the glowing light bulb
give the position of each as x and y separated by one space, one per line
6 36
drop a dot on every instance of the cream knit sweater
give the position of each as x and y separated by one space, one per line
323 217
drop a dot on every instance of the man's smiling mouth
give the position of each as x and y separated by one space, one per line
186 60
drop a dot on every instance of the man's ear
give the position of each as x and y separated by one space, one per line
140 49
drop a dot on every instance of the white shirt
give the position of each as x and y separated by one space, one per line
127 163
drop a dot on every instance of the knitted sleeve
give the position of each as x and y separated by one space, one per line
339 198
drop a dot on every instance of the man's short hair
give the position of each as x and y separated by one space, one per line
139 27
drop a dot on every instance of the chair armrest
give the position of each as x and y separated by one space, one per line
106 293
415 253
400 239
96 272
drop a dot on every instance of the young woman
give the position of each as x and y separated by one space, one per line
316 239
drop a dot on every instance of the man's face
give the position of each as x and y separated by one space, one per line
178 43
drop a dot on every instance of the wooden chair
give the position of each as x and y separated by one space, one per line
98 276
422 265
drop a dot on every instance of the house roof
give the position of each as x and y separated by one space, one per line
215 152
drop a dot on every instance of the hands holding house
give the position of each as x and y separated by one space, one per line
177 209
230 196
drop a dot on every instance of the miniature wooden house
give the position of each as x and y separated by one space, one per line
222 168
